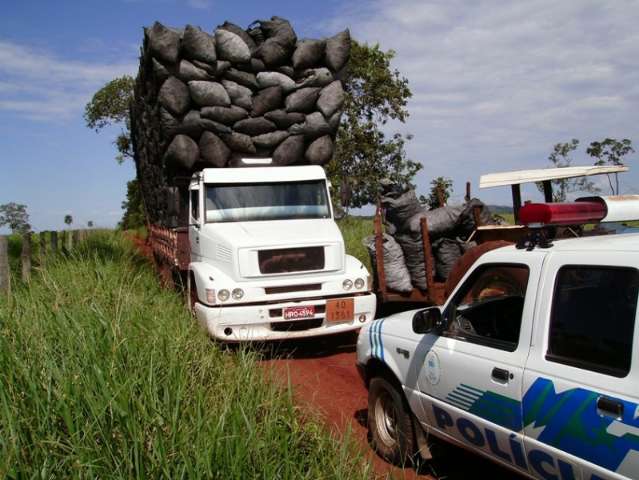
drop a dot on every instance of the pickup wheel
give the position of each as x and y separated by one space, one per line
390 422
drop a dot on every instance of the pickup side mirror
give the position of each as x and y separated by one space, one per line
427 321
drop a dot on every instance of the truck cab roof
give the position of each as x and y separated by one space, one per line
263 174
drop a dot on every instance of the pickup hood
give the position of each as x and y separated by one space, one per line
275 233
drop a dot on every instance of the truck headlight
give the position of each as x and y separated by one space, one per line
237 294
347 284
223 295
359 283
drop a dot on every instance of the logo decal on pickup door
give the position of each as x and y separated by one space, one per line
570 422
491 406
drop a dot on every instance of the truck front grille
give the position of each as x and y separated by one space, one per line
293 288
286 260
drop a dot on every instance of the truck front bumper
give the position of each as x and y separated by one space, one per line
239 323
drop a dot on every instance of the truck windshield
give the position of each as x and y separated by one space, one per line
266 201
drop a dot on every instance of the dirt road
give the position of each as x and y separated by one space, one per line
324 379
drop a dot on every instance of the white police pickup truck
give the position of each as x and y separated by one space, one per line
533 361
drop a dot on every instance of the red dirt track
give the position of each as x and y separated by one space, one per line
325 382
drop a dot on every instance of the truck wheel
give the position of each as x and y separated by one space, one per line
466 261
390 422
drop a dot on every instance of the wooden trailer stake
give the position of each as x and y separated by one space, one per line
54 241
25 257
5 286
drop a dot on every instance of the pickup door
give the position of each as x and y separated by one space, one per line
471 379
581 381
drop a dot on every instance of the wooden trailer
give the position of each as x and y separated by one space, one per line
487 237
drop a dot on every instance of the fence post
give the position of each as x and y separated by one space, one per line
76 237
54 242
43 245
69 241
25 257
5 286
63 241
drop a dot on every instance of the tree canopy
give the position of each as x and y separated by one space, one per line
365 153
15 216
608 151
440 191
110 106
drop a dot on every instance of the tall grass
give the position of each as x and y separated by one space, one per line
354 230
104 374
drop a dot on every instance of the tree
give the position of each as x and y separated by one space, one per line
15 216
90 224
364 154
439 187
612 152
561 157
68 219
133 207
110 106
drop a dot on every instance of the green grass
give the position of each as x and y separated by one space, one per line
354 230
104 374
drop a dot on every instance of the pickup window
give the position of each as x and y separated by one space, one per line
593 318
266 201
488 308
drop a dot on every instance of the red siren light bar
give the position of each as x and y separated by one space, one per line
570 213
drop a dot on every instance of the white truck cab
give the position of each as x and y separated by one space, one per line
532 361
268 260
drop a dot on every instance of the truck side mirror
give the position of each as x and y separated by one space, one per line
427 321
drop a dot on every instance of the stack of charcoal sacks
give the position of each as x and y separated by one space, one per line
207 100
449 227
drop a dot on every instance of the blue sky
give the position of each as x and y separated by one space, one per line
495 85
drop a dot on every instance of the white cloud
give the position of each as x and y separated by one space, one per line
496 83
200 4
40 85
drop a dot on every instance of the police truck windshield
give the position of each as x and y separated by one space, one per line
266 201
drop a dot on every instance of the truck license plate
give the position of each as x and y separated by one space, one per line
340 310
296 313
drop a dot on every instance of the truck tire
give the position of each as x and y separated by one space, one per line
466 261
390 422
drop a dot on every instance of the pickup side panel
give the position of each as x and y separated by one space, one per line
582 423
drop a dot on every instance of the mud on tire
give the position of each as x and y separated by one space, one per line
390 422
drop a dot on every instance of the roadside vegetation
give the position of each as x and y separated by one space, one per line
354 230
105 374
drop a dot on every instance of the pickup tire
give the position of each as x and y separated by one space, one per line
390 422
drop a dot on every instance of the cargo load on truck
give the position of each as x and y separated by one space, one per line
207 99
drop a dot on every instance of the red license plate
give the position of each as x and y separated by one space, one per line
297 313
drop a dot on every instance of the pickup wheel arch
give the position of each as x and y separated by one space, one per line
390 421
466 261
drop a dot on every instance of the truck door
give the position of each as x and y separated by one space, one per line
474 371
195 223
581 382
